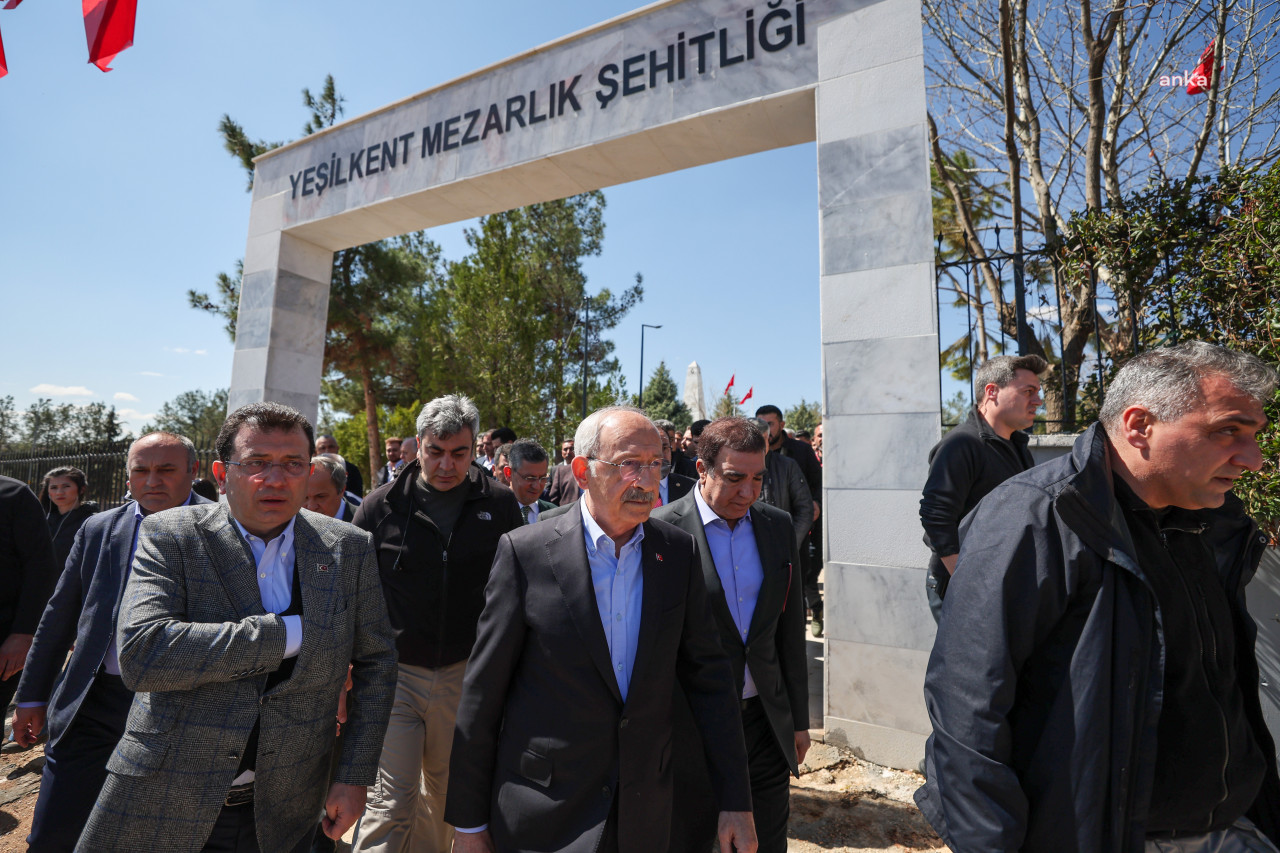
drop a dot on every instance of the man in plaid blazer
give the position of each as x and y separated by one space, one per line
236 628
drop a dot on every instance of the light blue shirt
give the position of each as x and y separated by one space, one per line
275 579
619 584
662 489
737 561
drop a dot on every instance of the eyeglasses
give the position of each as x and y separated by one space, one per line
531 480
259 467
633 468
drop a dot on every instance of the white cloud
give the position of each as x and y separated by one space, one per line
134 416
124 397
62 390
177 349
149 373
202 352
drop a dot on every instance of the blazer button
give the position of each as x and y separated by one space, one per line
622 724
606 792
233 755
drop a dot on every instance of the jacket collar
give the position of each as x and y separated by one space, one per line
478 485
986 433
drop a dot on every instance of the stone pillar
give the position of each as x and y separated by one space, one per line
880 376
284 304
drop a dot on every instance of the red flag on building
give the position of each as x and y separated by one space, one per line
748 397
12 4
1203 73
730 385
4 64
108 27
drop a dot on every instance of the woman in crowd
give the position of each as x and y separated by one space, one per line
62 495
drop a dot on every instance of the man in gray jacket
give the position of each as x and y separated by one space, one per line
1101 692
236 628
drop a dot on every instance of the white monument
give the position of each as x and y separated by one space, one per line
676 84
694 399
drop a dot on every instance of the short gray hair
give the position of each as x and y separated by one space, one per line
1167 381
587 439
335 465
445 417
999 371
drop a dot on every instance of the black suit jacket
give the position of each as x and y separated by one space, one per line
28 569
678 486
775 643
544 741
563 489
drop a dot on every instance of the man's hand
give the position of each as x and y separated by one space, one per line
950 563
13 654
342 809
27 725
737 832
802 746
473 842
817 510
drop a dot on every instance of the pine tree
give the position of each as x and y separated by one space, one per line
661 401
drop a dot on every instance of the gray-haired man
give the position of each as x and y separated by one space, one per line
1100 692
975 457
436 528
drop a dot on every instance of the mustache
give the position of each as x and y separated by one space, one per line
637 494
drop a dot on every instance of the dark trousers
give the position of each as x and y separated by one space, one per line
695 815
234 832
811 566
770 779
76 766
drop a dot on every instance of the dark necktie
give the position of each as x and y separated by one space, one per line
524 510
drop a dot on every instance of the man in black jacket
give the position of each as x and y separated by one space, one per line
27 575
975 457
436 528
1101 692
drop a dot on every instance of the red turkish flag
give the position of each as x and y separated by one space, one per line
12 4
4 64
108 27
730 385
1204 71
748 397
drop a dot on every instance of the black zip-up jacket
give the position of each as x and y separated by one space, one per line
964 467
1046 696
27 567
435 589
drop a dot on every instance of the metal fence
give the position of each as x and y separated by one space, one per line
103 463
963 276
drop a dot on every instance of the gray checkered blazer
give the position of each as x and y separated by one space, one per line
195 640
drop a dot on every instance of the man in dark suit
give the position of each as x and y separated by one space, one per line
355 480
86 711
28 572
237 626
563 739
327 488
564 488
673 486
388 471
748 553
526 472
680 464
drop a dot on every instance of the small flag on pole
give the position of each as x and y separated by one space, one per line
4 64
748 397
1199 81
730 385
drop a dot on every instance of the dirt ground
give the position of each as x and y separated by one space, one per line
838 805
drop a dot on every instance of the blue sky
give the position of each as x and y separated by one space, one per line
118 196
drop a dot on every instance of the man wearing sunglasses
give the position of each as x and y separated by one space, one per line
563 737
236 628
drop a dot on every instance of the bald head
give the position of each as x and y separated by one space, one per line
161 466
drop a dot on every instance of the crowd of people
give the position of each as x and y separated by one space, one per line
491 652
486 640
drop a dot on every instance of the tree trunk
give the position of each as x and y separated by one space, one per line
371 420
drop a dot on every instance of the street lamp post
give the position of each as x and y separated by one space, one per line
643 326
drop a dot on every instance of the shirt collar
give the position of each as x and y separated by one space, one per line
139 514
594 531
285 537
708 514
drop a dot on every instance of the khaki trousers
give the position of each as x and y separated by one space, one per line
405 811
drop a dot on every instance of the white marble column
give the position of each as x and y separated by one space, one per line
880 375
284 303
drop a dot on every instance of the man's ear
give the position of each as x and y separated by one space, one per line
506 471
219 471
1136 423
990 391
579 465
702 470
